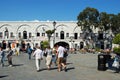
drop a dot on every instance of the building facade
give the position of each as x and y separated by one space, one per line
33 32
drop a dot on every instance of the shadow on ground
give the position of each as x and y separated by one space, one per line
3 76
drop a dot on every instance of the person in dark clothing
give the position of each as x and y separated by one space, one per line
9 56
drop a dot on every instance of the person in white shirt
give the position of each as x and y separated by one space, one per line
38 57
60 55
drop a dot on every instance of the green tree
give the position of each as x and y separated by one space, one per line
116 39
115 21
87 18
44 44
91 16
49 34
104 21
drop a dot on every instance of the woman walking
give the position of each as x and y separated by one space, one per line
49 58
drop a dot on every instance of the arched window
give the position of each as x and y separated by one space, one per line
19 34
30 34
75 35
38 34
11 35
1 34
62 35
24 34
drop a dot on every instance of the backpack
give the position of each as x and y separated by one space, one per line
29 50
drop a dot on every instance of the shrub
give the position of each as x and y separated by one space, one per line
116 39
116 50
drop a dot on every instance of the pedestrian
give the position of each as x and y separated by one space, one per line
116 63
29 51
54 55
38 57
17 49
48 57
13 47
65 56
60 55
2 56
9 56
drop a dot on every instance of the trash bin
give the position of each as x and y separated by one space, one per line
102 62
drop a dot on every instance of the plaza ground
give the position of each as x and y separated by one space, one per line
80 67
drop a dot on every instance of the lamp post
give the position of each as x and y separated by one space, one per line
54 24
72 44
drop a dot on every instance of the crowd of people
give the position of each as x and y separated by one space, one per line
8 55
57 56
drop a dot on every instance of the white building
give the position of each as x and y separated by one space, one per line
33 32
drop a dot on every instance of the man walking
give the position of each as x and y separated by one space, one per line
60 54
38 57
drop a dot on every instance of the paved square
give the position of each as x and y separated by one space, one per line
80 67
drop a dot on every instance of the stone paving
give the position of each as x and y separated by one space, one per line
80 67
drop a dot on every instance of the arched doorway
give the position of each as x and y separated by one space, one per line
64 44
62 35
81 45
24 34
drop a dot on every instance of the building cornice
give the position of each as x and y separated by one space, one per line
41 21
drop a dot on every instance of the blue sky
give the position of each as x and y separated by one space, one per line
60 10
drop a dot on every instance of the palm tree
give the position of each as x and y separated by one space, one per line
49 34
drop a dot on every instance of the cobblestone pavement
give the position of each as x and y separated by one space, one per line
80 67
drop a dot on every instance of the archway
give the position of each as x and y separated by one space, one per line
42 27
64 44
22 28
81 45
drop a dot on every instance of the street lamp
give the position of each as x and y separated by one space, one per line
54 24
72 44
